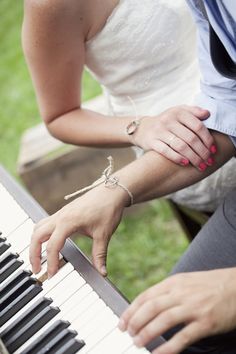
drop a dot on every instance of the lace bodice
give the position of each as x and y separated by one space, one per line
146 50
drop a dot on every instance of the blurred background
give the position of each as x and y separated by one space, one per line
149 240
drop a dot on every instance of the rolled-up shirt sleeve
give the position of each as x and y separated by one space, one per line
217 94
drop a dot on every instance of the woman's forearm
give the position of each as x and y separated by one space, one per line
87 128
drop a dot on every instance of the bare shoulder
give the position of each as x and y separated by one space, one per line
53 6
56 13
88 16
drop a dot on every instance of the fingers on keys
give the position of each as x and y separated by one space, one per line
46 231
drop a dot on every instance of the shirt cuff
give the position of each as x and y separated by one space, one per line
222 115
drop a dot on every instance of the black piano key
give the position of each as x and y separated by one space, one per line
42 341
2 239
9 268
3 247
14 293
7 258
71 347
28 326
15 279
23 299
20 321
58 341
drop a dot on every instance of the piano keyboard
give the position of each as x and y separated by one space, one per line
76 311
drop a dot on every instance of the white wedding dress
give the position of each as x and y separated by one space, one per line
147 50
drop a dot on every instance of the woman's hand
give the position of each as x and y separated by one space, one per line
96 214
179 135
203 301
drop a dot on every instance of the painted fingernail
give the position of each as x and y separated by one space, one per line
184 162
137 341
213 149
210 161
202 166
121 325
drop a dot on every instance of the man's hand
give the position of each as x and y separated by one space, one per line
179 135
96 214
205 302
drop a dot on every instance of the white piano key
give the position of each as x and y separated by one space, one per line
12 215
24 256
116 341
66 288
49 284
100 332
89 315
103 318
21 237
135 350
58 277
82 307
76 298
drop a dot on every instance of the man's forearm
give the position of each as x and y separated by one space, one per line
154 176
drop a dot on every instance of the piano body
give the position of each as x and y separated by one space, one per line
76 311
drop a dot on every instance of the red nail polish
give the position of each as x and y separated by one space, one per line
202 166
210 161
213 149
184 162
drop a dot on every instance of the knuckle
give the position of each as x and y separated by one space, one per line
145 334
143 298
210 140
184 338
181 146
167 322
36 226
193 139
205 153
195 160
34 236
133 325
100 255
210 322
152 306
63 217
162 149
31 259
198 127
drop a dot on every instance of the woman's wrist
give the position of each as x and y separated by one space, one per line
117 197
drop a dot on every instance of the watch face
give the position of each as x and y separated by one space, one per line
131 127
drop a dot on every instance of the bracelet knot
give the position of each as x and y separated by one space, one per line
106 179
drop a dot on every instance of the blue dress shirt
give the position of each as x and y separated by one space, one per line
218 94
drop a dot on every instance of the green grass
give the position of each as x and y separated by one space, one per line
147 243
